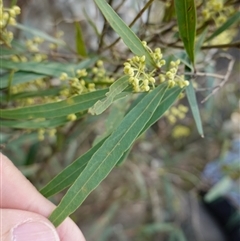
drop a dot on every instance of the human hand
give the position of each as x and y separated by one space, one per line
23 210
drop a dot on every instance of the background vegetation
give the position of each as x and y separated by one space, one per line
66 95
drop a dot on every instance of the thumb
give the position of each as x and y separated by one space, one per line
18 225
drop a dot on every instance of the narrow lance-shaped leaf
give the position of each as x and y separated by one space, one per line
57 109
234 19
191 96
70 173
68 176
91 23
37 123
39 33
48 68
168 100
219 189
20 77
38 93
186 19
127 35
116 88
200 41
80 45
106 157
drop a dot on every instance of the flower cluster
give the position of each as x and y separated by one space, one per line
99 74
215 10
142 79
176 112
41 133
135 68
33 86
172 77
7 17
81 82
75 85
180 131
32 46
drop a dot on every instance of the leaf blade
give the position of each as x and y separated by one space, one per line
48 68
80 45
116 88
56 109
186 19
20 77
106 157
39 33
68 176
127 35
235 18
191 96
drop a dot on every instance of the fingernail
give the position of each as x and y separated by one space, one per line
34 231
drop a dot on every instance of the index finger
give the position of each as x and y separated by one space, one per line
16 192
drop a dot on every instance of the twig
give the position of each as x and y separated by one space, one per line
218 76
206 89
226 77
216 46
132 23
104 30
119 6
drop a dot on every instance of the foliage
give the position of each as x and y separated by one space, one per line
46 96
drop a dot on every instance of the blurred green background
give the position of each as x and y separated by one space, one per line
153 195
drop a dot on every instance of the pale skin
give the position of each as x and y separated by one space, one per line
20 202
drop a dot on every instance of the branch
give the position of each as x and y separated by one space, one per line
226 77
218 76
132 23
217 46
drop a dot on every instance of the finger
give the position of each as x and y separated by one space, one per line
21 225
18 193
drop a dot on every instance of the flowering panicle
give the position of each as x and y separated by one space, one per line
176 112
216 11
41 133
142 79
99 74
7 17
75 85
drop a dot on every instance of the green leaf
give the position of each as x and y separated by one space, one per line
20 77
191 96
186 19
17 48
200 41
219 189
114 118
46 68
39 33
170 228
127 35
168 100
80 45
91 23
69 175
38 123
116 88
106 157
39 93
234 19
57 109
184 59
31 94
